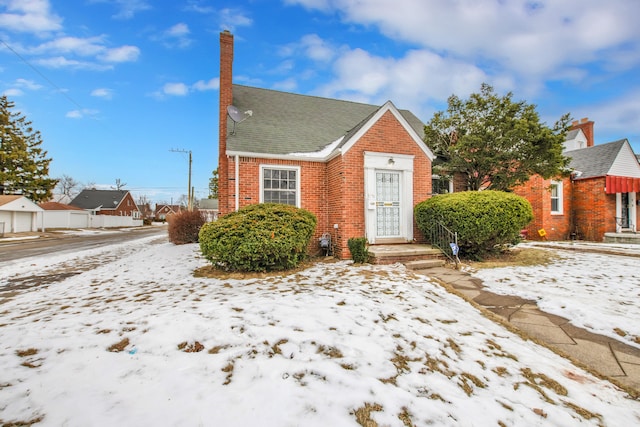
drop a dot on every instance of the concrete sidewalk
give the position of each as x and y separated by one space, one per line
616 361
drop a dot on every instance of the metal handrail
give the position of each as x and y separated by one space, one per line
445 240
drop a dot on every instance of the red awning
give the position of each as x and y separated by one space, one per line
622 184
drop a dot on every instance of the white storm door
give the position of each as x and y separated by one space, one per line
388 214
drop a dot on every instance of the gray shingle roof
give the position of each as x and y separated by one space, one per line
597 160
284 123
92 199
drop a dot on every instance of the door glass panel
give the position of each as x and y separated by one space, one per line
388 204
625 210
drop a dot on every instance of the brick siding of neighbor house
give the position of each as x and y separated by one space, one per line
537 191
126 207
459 182
594 209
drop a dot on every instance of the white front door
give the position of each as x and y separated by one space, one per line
388 218
388 182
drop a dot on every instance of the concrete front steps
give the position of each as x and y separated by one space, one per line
624 237
416 257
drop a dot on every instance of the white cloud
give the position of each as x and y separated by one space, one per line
316 48
14 91
72 45
29 16
417 77
28 84
230 19
176 36
198 7
620 116
178 30
530 40
175 89
62 62
121 54
102 93
128 8
201 85
80 114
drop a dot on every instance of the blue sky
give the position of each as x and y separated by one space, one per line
114 85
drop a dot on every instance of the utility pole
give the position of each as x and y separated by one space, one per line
189 191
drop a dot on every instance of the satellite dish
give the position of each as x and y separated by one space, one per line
237 116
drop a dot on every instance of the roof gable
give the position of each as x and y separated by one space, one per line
103 199
352 137
613 158
16 203
292 125
575 140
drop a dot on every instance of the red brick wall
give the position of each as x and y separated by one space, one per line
126 207
537 192
386 136
336 205
595 211
313 188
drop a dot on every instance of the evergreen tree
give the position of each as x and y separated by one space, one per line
213 185
24 166
495 142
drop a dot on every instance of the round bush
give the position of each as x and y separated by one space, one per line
261 237
484 220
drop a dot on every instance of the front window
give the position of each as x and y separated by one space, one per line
441 185
280 185
556 197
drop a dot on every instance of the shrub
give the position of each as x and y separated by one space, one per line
484 220
184 227
261 237
358 248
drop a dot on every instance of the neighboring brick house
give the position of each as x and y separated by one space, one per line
163 211
599 197
107 202
359 168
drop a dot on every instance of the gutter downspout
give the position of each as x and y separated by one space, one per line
237 162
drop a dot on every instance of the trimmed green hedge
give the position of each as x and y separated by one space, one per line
260 237
484 220
358 248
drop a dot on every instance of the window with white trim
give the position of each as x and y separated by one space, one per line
441 185
556 198
280 184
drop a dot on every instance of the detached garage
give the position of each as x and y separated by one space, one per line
18 214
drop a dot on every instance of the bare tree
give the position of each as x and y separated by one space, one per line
119 184
144 204
67 188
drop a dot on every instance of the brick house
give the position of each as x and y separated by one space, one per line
599 197
163 211
107 202
359 168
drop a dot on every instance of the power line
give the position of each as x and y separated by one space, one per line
47 79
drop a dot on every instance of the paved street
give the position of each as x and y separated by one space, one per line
59 242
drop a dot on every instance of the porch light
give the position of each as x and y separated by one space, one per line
391 161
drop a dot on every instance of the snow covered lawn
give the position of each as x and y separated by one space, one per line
594 291
127 336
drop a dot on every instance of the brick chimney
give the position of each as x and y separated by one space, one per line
586 126
226 99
